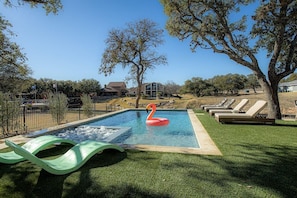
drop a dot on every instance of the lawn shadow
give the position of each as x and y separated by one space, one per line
30 180
44 189
285 125
86 185
254 165
272 167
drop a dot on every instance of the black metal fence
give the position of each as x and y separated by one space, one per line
28 119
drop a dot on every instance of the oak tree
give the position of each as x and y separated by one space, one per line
133 47
14 72
219 25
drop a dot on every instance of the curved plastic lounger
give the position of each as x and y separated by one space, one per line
72 160
33 146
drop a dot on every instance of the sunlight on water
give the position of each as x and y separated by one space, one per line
179 132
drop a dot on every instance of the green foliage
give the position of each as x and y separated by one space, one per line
14 73
50 6
10 111
133 47
87 106
271 27
88 86
58 106
231 83
197 86
221 84
252 82
68 87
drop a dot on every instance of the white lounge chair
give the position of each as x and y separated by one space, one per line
227 105
215 105
248 117
236 109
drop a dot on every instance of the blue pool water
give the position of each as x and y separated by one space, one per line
178 133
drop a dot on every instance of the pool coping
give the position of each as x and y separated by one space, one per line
207 146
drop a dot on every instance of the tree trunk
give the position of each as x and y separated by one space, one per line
271 93
138 96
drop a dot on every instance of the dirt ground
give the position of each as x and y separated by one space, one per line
40 121
286 99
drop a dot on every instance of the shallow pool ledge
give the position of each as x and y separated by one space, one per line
70 124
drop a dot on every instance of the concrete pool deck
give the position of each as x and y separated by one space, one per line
207 146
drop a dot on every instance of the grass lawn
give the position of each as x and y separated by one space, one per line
257 161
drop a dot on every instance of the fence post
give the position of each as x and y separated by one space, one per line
79 113
296 109
24 118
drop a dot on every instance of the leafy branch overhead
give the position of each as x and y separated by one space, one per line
13 67
50 6
240 29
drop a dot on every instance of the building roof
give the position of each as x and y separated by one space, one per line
288 84
109 89
116 84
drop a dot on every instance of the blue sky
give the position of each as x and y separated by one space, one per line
69 46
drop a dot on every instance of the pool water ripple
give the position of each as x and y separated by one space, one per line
178 133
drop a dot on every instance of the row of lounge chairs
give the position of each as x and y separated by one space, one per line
225 114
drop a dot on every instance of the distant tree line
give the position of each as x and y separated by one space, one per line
220 84
40 88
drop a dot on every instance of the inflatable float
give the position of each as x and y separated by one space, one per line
150 121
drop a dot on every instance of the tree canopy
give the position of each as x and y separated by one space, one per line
13 69
219 85
70 88
50 6
134 47
220 26
14 72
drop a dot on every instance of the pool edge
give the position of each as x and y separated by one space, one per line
207 146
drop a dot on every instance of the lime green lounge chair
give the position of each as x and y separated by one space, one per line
33 146
72 160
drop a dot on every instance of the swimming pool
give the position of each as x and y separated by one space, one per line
206 144
178 133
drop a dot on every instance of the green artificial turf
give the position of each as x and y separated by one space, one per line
257 161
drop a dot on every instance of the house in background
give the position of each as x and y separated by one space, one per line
148 89
114 89
288 86
153 89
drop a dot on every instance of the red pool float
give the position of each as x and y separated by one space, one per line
155 121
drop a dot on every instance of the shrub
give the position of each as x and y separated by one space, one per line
193 104
58 106
87 105
9 113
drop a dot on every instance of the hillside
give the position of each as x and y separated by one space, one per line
287 103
